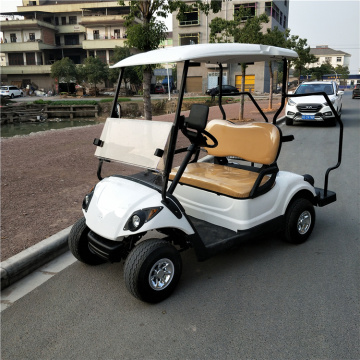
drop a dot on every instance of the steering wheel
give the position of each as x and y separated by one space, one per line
211 137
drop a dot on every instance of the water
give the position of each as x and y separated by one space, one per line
10 130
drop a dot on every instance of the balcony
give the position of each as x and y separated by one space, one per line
25 69
25 24
102 44
69 29
28 46
102 20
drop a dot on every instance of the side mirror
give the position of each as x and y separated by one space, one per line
290 92
340 93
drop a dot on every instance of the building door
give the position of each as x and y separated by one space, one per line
194 84
249 82
213 78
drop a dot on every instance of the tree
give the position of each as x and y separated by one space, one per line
305 58
94 71
318 71
274 37
342 71
147 34
243 29
132 74
64 70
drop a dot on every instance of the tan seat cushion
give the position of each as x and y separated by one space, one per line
221 179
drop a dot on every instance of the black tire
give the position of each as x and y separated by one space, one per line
299 221
79 244
12 96
143 261
332 122
289 121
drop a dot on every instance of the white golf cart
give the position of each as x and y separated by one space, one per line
209 203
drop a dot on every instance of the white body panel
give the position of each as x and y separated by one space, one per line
242 214
116 199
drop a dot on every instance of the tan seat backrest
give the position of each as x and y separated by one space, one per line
255 142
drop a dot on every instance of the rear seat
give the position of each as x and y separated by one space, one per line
254 142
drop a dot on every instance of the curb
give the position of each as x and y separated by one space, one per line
22 264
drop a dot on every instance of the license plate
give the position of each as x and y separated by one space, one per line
308 117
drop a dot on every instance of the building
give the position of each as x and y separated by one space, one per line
194 29
333 57
51 30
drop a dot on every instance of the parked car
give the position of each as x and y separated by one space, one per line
356 91
226 90
160 89
10 91
314 107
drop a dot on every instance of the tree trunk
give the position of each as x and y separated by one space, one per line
147 96
271 85
242 100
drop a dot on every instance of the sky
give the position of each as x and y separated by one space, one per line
322 22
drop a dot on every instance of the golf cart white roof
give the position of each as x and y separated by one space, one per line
209 53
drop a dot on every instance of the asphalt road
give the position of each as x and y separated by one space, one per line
266 300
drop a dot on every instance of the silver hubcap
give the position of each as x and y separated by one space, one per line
161 274
304 222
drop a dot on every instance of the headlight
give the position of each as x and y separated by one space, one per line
87 199
140 217
291 102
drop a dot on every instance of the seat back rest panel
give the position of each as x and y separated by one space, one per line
255 142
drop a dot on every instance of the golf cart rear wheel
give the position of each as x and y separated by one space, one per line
79 244
152 270
299 221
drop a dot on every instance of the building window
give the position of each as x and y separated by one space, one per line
101 54
63 20
328 59
117 33
96 34
13 38
189 39
56 21
72 20
71 39
190 18
250 7
30 59
32 36
339 59
16 59
285 23
272 10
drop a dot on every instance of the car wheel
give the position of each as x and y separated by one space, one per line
12 96
299 221
152 270
332 122
289 121
79 244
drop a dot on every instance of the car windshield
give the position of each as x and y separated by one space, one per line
314 88
4 88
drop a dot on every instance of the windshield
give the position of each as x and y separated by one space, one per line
134 142
314 88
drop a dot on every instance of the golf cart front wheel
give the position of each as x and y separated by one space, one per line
299 221
79 244
152 270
